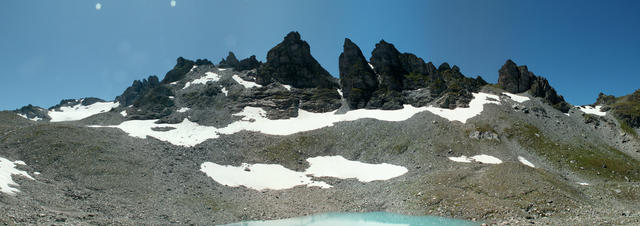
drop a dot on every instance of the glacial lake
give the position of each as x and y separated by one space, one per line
357 219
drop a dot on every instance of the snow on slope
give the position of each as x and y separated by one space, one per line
463 114
487 159
208 77
526 162
592 110
246 84
8 168
79 111
517 98
35 119
276 177
189 134
339 167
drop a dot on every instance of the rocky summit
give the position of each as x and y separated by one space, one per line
250 140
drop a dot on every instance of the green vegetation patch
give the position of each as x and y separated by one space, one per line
585 158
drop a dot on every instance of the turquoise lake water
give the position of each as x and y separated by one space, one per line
358 219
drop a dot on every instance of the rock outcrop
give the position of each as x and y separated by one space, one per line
518 79
183 66
357 79
34 112
291 63
246 64
137 90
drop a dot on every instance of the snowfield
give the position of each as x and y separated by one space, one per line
189 133
592 110
246 84
8 168
526 162
487 159
517 98
208 77
79 111
276 177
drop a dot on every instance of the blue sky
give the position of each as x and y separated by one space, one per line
53 50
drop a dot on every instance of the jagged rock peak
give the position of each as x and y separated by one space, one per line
385 59
137 90
357 79
291 63
518 79
245 64
183 66
230 61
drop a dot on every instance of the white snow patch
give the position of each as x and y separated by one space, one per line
244 83
8 168
36 173
288 87
193 68
370 65
225 91
123 113
259 176
188 133
208 77
79 111
488 159
222 69
339 167
476 106
567 114
517 98
276 177
462 158
340 92
526 162
583 183
183 109
172 97
35 119
592 110
174 83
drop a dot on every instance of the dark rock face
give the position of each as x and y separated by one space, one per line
201 62
154 104
137 90
518 79
357 79
402 78
248 64
385 59
230 62
245 64
72 102
604 99
291 63
33 112
183 66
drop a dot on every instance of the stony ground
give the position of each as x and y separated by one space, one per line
103 176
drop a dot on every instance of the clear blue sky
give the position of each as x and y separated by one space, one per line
51 50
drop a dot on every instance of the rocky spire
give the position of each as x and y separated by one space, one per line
518 79
291 63
357 79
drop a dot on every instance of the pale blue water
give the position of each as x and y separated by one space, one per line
358 219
